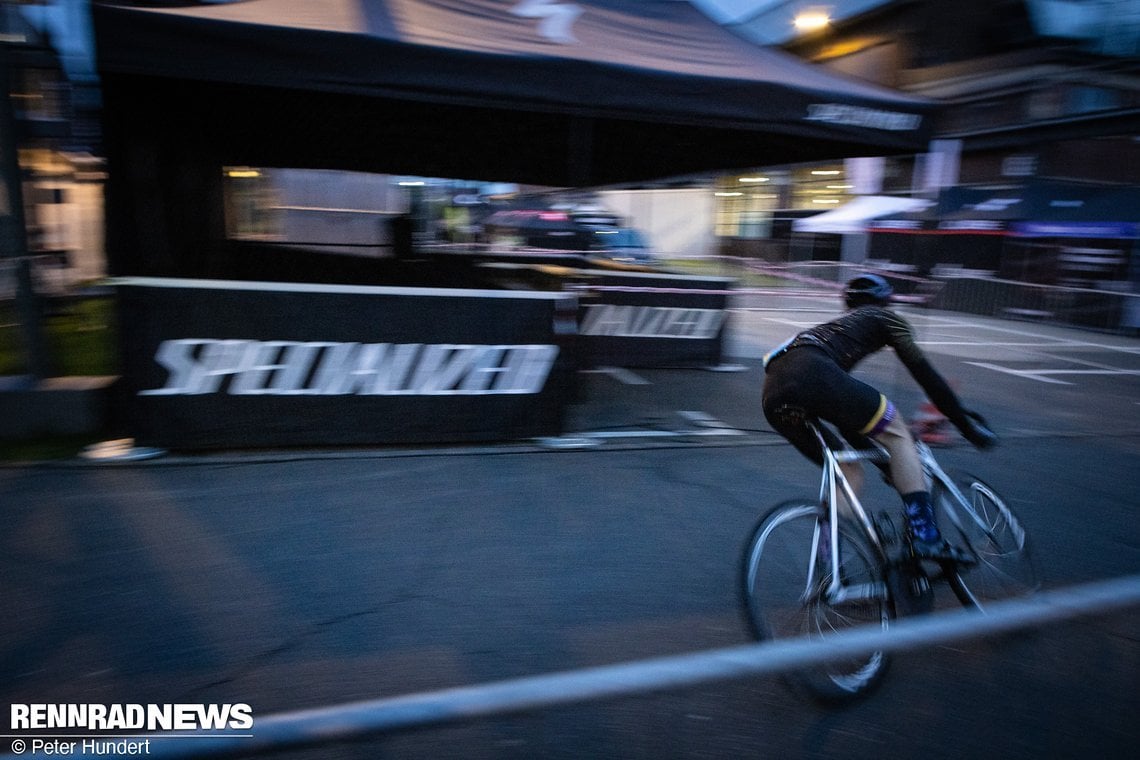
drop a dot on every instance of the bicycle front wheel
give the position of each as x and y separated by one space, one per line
994 537
786 580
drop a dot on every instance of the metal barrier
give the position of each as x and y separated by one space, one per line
1103 309
1092 308
360 720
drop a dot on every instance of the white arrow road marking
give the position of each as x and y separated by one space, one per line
557 18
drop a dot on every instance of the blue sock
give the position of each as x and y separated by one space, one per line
920 516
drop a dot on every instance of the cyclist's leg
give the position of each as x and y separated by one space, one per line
853 472
905 467
923 533
805 385
860 410
887 427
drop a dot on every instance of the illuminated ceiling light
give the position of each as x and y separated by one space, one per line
811 20
728 195
826 172
412 183
243 173
840 187
825 200
754 179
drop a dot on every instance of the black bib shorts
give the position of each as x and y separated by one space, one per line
804 380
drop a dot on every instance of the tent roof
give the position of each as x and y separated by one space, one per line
853 216
601 90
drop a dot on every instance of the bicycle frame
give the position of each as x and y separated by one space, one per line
832 482
934 472
961 503
818 567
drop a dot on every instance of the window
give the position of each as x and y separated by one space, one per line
744 204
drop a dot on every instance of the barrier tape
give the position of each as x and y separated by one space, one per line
358 720
787 293
702 291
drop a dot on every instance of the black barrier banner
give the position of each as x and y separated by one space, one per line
638 319
216 364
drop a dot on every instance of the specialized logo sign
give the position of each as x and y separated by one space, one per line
858 116
651 321
971 225
557 18
199 366
995 204
895 224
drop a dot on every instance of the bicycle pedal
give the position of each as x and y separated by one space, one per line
919 585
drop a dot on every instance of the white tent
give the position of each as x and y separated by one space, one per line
853 215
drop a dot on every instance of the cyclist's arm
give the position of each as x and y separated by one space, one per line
923 372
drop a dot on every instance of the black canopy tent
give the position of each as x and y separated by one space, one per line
586 93
1011 230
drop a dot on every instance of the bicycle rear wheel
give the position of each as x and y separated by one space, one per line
992 533
785 579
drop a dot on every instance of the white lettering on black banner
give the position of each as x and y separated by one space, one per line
291 368
858 116
651 322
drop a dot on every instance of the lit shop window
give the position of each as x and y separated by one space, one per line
819 188
744 205
250 204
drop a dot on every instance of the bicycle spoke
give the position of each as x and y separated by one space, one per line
989 530
789 592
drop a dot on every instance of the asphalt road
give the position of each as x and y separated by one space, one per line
292 580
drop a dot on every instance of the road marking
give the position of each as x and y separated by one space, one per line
700 419
1017 373
621 374
704 426
1044 375
1106 371
989 343
1087 363
1056 341
793 322
704 432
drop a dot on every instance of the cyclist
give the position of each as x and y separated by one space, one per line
808 376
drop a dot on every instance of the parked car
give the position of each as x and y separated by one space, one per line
590 231
623 244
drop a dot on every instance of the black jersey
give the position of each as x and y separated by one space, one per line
866 329
863 331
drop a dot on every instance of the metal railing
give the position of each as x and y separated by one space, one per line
1112 307
362 720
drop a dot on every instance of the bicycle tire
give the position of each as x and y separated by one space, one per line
994 535
778 605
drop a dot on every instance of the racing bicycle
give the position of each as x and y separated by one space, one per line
817 567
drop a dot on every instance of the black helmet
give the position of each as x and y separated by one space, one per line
867 289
